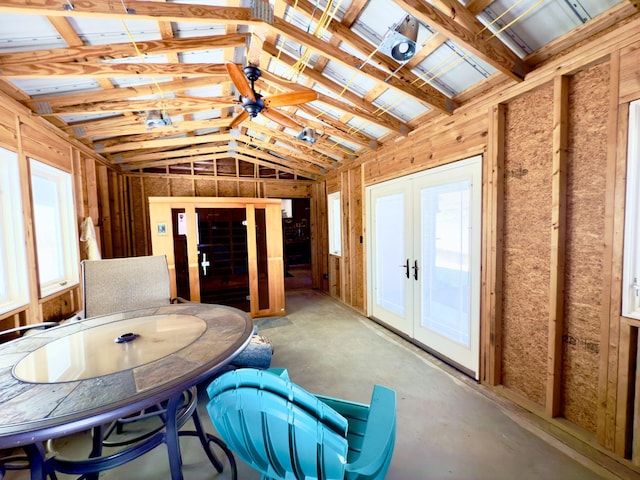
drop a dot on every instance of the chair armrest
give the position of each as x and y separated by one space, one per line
380 433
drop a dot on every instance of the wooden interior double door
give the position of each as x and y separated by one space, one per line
221 250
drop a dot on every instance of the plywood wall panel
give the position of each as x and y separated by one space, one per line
586 187
527 226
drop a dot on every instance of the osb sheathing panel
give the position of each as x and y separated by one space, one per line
248 189
527 227
155 187
586 169
181 187
206 188
228 188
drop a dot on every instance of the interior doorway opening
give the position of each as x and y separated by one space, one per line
296 234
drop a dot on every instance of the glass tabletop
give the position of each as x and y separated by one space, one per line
109 348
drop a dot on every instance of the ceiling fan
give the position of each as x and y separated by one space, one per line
253 103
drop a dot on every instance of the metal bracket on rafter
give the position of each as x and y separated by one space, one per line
68 7
79 131
262 10
43 108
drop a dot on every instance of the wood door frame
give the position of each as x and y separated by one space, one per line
161 229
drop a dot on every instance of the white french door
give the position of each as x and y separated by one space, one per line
424 259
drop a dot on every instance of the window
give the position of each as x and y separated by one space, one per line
55 228
631 273
14 283
335 219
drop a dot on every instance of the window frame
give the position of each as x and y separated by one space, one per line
334 223
67 231
13 266
631 261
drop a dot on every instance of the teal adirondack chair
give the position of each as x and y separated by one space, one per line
285 432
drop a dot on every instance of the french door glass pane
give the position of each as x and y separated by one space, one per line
446 262
390 254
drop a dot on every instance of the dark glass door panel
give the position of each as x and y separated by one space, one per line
180 253
222 257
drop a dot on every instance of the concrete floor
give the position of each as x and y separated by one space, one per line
448 427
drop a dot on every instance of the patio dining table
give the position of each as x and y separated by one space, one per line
85 374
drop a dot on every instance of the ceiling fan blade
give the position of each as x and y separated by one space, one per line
291 98
239 80
279 117
241 117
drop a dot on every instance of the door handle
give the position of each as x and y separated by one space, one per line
415 269
406 267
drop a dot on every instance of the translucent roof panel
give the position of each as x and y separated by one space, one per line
452 69
192 30
530 24
15 37
400 106
103 31
355 82
51 86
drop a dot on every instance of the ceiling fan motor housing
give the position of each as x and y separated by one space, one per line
251 107
252 73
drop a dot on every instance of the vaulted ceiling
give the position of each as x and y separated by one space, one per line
146 83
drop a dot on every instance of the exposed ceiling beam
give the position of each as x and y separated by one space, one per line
123 50
51 103
109 70
426 93
140 128
138 10
477 6
143 105
381 119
